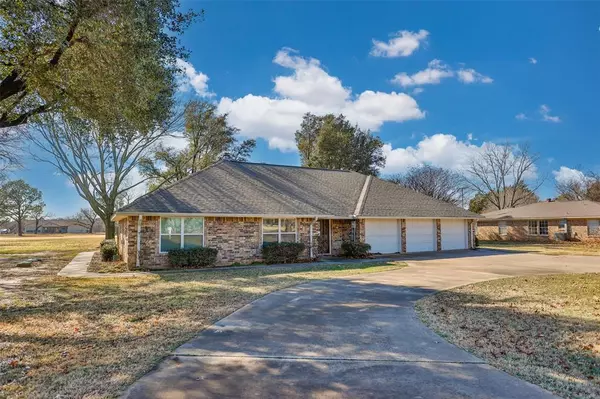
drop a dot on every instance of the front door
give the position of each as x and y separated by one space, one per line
325 236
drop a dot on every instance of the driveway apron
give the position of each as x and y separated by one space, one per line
349 338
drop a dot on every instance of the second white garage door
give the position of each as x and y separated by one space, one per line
383 235
454 234
420 235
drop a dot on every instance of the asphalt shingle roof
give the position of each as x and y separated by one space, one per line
242 188
549 210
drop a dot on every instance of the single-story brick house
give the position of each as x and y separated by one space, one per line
237 206
543 221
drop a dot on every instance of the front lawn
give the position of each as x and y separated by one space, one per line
93 337
544 329
54 251
557 248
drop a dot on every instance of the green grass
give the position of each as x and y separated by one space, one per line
94 337
544 329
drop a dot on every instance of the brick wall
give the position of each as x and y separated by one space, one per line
304 235
438 234
518 230
341 230
237 239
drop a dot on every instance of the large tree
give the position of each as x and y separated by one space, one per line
93 58
501 172
86 218
208 136
481 203
332 142
584 187
439 183
99 163
19 201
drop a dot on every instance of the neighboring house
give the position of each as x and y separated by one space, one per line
556 220
54 226
237 206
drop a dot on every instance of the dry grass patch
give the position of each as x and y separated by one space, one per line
91 338
98 266
55 252
544 329
558 248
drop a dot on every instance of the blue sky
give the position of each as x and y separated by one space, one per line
434 80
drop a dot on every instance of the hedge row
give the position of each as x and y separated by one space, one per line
192 257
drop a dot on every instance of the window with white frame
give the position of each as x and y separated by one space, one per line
593 227
538 227
279 230
502 228
181 233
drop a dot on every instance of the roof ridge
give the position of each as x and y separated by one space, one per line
220 161
292 166
360 204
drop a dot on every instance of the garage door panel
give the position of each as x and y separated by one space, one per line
420 235
383 235
454 234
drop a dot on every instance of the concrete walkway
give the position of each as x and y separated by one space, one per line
350 338
78 268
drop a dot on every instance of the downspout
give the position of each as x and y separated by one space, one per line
139 242
310 235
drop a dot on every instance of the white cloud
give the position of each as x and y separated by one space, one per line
443 150
309 83
433 74
532 60
521 116
472 76
311 89
192 79
469 136
402 44
566 175
545 112
418 90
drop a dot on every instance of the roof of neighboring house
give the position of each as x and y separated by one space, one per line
243 188
549 210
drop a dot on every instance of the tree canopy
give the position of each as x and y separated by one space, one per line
19 201
436 182
332 142
585 187
96 59
208 138
481 202
500 172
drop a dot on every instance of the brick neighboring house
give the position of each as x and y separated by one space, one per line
543 221
237 206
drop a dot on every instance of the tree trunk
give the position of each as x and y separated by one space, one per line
91 229
110 229
19 228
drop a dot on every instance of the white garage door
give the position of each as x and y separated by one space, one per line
454 234
383 235
420 235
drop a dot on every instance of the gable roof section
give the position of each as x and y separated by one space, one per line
242 188
549 210
387 199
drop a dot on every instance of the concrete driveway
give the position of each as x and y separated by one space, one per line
351 338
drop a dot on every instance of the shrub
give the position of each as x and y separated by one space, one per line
193 257
108 251
282 252
108 242
355 249
476 242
